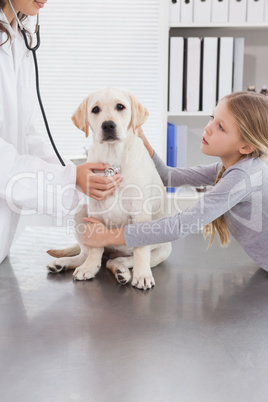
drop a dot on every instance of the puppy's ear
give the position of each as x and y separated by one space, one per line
80 118
139 113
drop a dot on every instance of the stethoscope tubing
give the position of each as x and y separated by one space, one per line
37 32
33 50
42 107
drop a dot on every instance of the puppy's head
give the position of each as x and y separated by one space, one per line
110 113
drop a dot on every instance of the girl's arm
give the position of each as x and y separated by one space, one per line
145 142
229 191
204 175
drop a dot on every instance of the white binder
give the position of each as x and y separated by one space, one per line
181 132
255 11
266 11
174 12
193 74
176 74
219 12
202 11
237 10
225 66
209 76
186 11
239 45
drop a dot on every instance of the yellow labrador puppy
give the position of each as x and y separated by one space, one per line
114 115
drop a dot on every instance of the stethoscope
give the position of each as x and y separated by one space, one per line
33 50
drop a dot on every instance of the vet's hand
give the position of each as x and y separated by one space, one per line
145 141
93 185
98 235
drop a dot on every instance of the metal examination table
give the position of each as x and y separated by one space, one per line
200 335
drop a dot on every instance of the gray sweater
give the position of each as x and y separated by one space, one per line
241 195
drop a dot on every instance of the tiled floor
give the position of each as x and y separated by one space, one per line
200 335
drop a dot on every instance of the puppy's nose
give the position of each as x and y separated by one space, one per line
108 126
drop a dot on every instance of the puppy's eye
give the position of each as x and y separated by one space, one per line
120 107
95 109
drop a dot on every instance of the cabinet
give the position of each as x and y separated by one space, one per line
255 73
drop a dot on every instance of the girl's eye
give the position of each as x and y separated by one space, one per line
221 128
95 110
120 107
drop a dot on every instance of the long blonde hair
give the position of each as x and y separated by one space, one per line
250 111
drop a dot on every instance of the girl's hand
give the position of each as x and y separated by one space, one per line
93 185
98 235
145 141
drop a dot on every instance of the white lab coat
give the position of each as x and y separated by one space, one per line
32 180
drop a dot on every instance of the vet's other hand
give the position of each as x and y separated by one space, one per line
93 185
145 141
98 235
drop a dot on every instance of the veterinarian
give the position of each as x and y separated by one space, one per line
238 202
29 168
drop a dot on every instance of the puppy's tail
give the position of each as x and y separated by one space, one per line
67 252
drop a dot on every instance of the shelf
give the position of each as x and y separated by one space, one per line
245 25
189 114
194 195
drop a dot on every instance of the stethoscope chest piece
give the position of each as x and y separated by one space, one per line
112 170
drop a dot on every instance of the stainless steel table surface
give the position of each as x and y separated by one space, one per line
199 335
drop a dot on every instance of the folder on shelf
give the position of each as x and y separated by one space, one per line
171 150
202 11
209 73
174 12
192 74
181 133
219 11
239 44
176 74
186 11
255 11
237 10
266 11
225 66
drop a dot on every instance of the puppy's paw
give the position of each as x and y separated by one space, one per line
122 275
143 282
84 273
55 267
121 272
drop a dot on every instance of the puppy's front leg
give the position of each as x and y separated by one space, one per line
91 266
142 273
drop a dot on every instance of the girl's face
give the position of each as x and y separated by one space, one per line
27 7
222 138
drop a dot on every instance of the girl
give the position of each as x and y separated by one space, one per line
28 167
238 203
